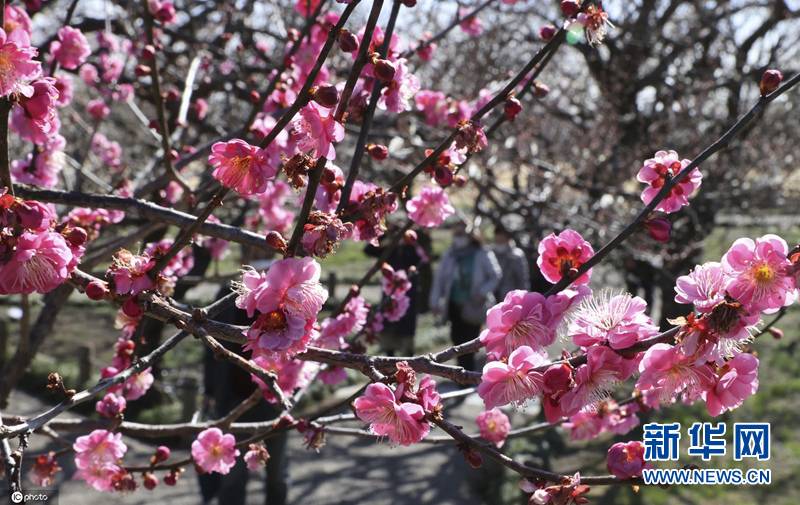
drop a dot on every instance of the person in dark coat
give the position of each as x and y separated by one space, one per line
226 386
397 338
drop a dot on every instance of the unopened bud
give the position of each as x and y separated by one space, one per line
770 81
348 42
77 236
410 237
255 96
327 96
276 241
384 70
148 52
570 8
378 152
659 228
131 308
142 70
540 90
162 454
96 290
776 333
149 481
547 32
511 108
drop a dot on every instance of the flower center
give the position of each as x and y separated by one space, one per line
216 451
763 273
275 320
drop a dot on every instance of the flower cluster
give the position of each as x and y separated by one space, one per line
214 451
401 414
287 299
97 457
36 254
658 170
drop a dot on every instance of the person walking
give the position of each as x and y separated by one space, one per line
516 273
463 288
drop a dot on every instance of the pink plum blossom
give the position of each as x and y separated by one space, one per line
758 271
560 255
317 131
494 426
735 381
97 457
98 109
272 206
39 263
43 170
129 272
657 170
292 373
522 318
403 422
256 457
593 379
214 451
704 286
430 208
433 106
397 94
35 117
585 425
666 372
241 167
626 459
111 405
619 320
288 298
514 382
18 63
472 25
71 49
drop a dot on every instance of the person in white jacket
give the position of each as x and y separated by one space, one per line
463 288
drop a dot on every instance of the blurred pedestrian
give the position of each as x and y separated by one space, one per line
463 287
397 337
512 261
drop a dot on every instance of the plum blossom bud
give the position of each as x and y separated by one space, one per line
348 42
547 32
255 96
776 333
460 181
96 290
97 109
409 3
172 477
557 378
142 70
384 70
770 81
162 454
131 308
570 7
77 236
276 241
149 481
148 52
472 456
111 406
378 152
540 90
410 237
327 96
443 176
511 108
659 228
